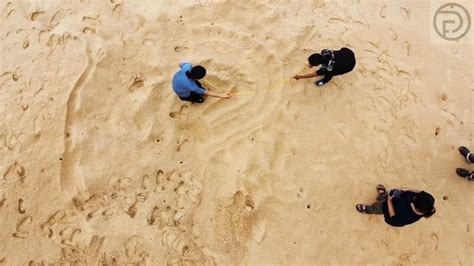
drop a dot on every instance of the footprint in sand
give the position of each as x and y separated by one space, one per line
161 177
58 17
20 227
437 131
300 193
52 220
15 168
132 210
166 217
183 110
117 10
407 47
180 48
92 205
182 143
175 242
188 190
21 208
21 172
382 11
11 141
35 15
88 30
26 43
10 9
435 239
70 235
131 246
405 13
135 83
91 23
394 34
66 232
148 41
148 183
153 217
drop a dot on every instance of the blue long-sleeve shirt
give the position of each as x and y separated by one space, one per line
182 85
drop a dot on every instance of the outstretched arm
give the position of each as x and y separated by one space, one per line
217 95
307 76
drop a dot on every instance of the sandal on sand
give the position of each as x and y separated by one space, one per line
465 152
361 208
465 173
381 189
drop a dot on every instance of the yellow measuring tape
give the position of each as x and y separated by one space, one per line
241 92
272 86
209 83
278 83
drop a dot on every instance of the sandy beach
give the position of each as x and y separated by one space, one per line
102 164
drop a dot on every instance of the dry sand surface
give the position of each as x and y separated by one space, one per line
100 163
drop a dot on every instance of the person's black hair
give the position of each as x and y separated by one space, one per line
315 59
197 72
424 202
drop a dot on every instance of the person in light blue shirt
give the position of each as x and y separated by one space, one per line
187 86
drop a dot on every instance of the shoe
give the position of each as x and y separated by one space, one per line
466 153
465 173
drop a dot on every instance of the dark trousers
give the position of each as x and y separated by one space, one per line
193 97
376 208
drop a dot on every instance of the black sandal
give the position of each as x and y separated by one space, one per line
362 208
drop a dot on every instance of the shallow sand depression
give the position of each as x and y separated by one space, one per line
101 163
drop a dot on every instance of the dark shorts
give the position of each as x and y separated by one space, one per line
193 97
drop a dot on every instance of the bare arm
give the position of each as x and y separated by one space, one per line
217 95
307 76
391 209
410 190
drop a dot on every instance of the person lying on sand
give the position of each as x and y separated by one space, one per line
333 63
187 86
401 206
469 156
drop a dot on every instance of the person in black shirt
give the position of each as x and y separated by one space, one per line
333 63
469 156
401 206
